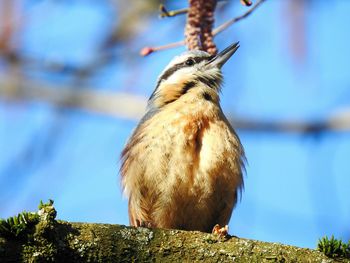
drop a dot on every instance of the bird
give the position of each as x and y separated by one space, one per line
182 168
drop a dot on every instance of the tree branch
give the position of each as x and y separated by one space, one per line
39 237
80 242
107 103
148 50
230 22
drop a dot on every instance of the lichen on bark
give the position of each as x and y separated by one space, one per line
52 240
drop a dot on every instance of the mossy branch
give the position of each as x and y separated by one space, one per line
51 240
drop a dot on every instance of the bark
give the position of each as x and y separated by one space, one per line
198 30
61 241
39 237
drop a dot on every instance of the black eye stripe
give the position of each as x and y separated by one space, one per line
175 68
200 59
181 65
171 71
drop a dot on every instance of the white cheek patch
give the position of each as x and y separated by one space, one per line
180 75
179 59
190 72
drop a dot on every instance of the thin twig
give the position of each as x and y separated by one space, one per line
228 23
148 50
166 13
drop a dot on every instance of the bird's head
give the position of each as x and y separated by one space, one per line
194 73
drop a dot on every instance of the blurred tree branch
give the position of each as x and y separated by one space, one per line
127 106
115 104
130 19
119 104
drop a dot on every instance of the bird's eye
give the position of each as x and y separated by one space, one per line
189 62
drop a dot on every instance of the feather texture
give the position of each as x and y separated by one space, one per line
183 166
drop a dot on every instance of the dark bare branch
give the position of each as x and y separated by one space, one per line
148 50
230 22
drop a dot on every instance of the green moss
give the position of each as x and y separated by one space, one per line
36 233
334 247
210 239
22 225
43 205
18 226
47 212
39 252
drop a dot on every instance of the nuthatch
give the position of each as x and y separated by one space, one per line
182 166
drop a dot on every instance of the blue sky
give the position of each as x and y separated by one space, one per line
296 187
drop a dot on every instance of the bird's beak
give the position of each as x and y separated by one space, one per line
220 59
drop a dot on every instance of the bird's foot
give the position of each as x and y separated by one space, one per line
141 223
220 231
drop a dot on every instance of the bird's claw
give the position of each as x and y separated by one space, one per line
220 231
141 223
